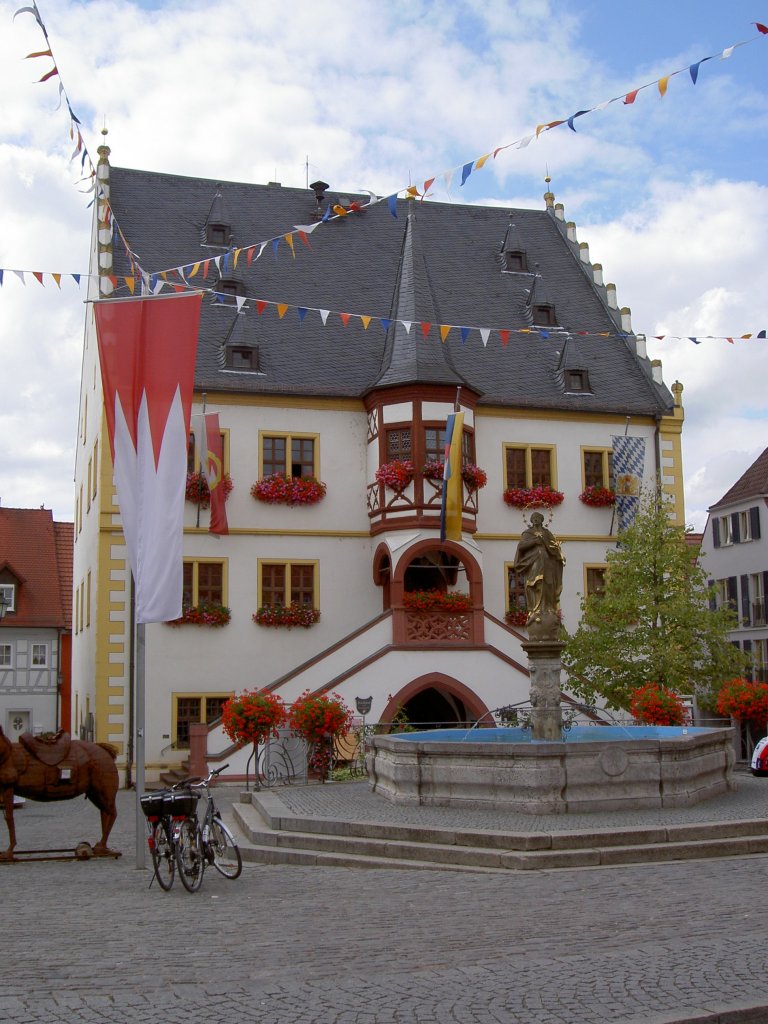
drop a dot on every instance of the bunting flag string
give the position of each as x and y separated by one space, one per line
337 211
155 283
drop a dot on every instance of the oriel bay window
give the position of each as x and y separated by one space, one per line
434 445
286 583
529 466
204 583
289 454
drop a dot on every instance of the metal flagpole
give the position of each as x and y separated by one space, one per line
140 715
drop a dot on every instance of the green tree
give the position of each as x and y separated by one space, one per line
653 622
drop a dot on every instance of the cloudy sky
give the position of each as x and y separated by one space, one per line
671 192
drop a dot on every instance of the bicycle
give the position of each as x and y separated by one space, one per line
207 841
165 812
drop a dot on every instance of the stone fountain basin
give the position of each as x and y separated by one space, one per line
595 768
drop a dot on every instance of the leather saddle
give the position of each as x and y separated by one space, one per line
51 750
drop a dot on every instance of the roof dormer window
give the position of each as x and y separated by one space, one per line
217 234
242 358
577 381
230 286
544 315
514 260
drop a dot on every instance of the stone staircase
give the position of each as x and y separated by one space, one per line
270 834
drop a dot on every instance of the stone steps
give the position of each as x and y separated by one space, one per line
269 834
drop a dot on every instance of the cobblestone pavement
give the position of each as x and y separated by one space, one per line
91 942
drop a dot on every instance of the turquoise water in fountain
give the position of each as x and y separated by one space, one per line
576 734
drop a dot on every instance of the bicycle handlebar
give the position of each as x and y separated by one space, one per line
196 781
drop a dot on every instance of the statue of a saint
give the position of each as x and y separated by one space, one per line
540 559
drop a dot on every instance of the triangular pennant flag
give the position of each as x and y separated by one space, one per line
729 340
40 53
412 191
227 263
302 311
504 335
425 328
445 330
448 178
324 315
240 301
694 71
275 244
344 318
662 84
250 253
631 97
289 240
760 28
305 238
237 257
525 142
695 341
193 269
307 229
262 247
724 56
761 334
205 269
76 279
481 162
260 306
464 332
407 324
38 276
572 118
392 202
365 319
217 263
542 334
327 214
385 323
55 71
282 309
339 210
465 172
485 334
427 185
130 284
1 278
746 336
57 279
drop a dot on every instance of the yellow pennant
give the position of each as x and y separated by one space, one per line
366 320
289 240
130 283
281 309
445 330
663 83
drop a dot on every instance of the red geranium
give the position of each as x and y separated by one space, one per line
533 497
319 717
597 496
198 491
253 716
656 705
277 489
395 475
744 701
436 600
286 615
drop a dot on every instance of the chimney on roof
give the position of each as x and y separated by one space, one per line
656 371
610 294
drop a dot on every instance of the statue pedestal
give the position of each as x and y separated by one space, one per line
545 664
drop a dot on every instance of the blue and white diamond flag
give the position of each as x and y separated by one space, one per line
628 466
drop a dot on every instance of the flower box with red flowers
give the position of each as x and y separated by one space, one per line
436 601
533 497
253 716
517 617
317 717
198 492
472 475
395 475
278 489
205 614
598 497
287 616
653 704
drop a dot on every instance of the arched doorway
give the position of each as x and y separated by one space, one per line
435 700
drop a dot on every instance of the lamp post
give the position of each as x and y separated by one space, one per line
5 604
363 705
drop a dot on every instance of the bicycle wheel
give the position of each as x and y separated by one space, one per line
189 855
222 851
163 860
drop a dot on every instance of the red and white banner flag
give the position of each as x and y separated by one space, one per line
147 351
212 468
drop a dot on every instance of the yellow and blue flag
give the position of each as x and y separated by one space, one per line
453 491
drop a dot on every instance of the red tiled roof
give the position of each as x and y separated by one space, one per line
752 484
38 552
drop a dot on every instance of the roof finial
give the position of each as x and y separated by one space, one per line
549 197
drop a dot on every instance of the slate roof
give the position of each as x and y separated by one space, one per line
38 553
439 263
751 484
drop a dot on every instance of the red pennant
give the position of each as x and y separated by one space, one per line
426 328
344 318
250 254
205 269
38 276
761 28
504 335
260 306
303 236
631 96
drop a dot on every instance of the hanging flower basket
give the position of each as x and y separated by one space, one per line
744 701
433 470
286 615
598 497
205 614
253 716
657 705
316 717
395 475
277 489
436 600
198 492
517 617
533 497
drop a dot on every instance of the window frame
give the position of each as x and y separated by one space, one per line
544 314
6 646
214 228
289 438
594 567
36 646
528 449
726 531
189 695
287 564
253 358
606 457
467 443
4 588
192 446
196 563
519 590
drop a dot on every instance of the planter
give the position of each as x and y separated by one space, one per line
395 475
472 475
598 497
278 489
286 616
516 617
532 497
203 615
197 490
436 600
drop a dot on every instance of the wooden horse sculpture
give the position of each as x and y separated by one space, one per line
58 768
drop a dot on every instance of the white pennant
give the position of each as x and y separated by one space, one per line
484 334
323 315
20 275
407 325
